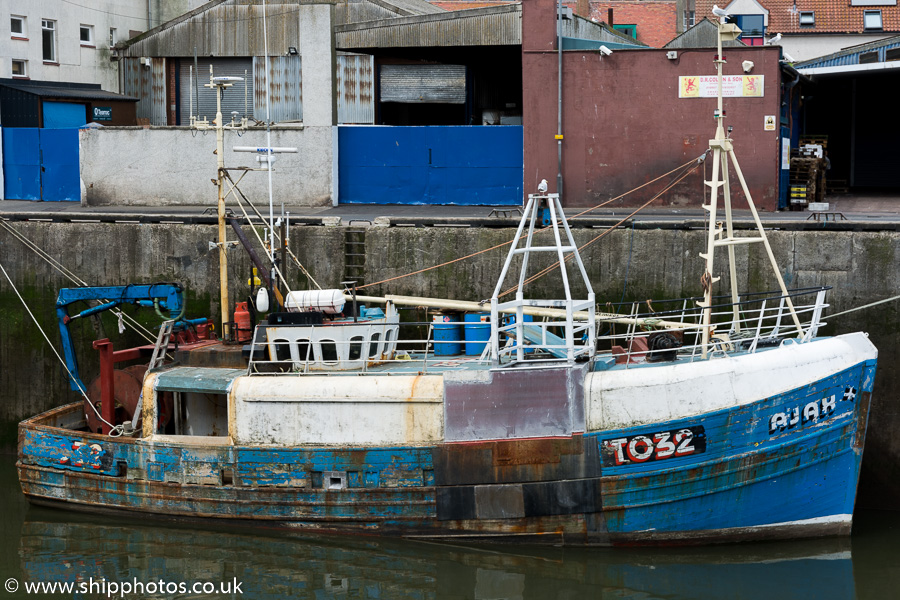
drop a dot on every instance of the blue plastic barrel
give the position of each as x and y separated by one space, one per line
525 319
478 332
447 334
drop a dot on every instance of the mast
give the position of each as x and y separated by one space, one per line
722 148
223 257
219 84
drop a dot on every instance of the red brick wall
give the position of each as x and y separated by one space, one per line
655 19
624 124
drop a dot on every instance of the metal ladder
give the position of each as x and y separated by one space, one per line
159 354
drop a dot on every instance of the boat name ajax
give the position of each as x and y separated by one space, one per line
810 413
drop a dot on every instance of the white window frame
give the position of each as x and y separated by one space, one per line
24 74
810 18
873 14
688 19
90 34
49 25
113 36
24 25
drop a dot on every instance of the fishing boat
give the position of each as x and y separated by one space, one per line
710 419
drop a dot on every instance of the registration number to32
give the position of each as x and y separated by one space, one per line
649 447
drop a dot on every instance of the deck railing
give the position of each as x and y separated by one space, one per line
664 330
647 331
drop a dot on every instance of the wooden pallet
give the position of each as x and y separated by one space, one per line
838 186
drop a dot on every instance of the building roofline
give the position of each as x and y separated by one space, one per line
450 15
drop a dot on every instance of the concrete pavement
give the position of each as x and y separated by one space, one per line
853 211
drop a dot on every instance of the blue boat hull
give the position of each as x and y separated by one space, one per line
784 466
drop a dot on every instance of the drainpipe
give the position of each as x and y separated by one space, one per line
149 16
559 134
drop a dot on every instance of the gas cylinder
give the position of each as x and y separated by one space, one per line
242 320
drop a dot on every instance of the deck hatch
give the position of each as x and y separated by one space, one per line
197 379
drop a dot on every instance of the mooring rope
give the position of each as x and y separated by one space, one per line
554 266
850 310
582 213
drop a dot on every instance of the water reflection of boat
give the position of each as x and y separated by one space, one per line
314 566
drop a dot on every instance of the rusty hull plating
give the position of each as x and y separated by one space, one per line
781 466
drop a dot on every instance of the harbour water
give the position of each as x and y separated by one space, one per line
101 555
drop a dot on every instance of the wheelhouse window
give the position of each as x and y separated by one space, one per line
872 20
48 40
87 35
329 351
282 350
373 345
807 19
19 68
356 344
17 26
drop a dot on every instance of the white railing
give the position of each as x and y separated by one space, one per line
354 349
670 330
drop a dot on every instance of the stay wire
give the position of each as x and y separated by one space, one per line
262 218
68 274
116 430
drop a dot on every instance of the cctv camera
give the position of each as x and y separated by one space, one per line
605 51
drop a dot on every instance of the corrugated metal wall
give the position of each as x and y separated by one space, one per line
285 88
703 35
234 98
840 59
355 88
226 30
486 27
358 12
428 84
148 84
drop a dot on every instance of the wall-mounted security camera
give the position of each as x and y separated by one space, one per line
605 51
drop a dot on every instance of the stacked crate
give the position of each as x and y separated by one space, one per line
807 175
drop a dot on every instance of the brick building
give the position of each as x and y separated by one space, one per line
812 28
652 22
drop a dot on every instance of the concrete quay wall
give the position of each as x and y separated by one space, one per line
634 264
172 166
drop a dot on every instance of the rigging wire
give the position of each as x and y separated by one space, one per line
263 219
115 430
138 327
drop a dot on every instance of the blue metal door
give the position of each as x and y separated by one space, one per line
60 178
430 165
21 163
41 164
